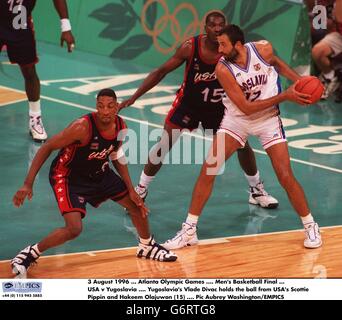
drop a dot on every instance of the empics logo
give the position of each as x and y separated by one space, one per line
7 285
22 286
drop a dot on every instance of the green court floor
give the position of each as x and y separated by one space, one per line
69 84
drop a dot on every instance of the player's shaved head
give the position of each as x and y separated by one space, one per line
107 92
214 14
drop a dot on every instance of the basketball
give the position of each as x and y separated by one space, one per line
310 85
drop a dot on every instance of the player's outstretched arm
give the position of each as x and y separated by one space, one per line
182 54
66 36
76 132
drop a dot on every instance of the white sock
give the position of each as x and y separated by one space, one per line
329 75
35 247
145 180
192 219
308 219
253 180
34 107
145 241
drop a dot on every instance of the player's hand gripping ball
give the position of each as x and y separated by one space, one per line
310 85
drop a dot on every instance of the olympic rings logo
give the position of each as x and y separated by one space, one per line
169 20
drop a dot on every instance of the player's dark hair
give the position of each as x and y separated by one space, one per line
214 13
108 92
234 33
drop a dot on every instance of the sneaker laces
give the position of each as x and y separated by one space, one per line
183 230
36 122
258 189
27 263
140 189
158 251
25 259
310 231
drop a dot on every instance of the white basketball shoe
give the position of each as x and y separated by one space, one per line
36 129
187 236
313 236
141 191
259 196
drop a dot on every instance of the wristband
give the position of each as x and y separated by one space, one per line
65 25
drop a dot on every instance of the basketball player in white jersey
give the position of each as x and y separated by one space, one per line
249 75
199 100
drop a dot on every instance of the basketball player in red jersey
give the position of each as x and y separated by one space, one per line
80 174
16 33
198 100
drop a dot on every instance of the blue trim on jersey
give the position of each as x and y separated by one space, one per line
225 63
279 84
258 55
279 91
248 60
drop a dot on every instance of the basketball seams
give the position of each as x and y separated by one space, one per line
308 83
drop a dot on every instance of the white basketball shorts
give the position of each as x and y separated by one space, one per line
269 131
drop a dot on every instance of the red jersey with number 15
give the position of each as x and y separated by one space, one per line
200 88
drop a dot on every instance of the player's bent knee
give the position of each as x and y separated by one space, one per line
74 232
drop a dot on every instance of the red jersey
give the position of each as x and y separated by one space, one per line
91 159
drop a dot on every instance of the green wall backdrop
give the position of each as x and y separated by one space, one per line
147 31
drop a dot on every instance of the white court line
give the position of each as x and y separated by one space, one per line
46 82
200 243
79 106
186 133
12 102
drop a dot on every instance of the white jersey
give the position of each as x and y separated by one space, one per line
258 81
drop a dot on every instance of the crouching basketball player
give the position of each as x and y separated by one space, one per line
80 174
